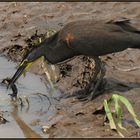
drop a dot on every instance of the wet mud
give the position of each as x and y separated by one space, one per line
67 117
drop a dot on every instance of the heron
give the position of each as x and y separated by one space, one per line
84 37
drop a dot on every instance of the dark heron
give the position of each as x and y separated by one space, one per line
84 37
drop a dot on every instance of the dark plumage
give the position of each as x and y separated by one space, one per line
85 37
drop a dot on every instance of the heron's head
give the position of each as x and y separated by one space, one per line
28 60
43 49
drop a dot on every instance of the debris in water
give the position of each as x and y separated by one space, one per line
35 122
3 120
46 128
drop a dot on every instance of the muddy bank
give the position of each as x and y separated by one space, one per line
19 21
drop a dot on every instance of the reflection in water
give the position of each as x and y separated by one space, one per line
28 132
37 104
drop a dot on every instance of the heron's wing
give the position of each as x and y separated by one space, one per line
125 24
119 20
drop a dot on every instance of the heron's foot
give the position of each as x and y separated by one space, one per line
98 89
92 92
82 94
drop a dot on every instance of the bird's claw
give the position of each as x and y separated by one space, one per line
81 94
90 96
90 93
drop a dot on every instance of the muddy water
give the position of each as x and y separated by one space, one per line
27 120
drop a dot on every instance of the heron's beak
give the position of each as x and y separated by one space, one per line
22 67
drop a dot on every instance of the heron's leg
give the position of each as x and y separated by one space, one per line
97 71
99 81
84 94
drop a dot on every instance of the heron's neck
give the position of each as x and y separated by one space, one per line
58 52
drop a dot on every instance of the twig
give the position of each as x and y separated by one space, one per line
127 70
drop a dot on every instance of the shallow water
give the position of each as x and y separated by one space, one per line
38 110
